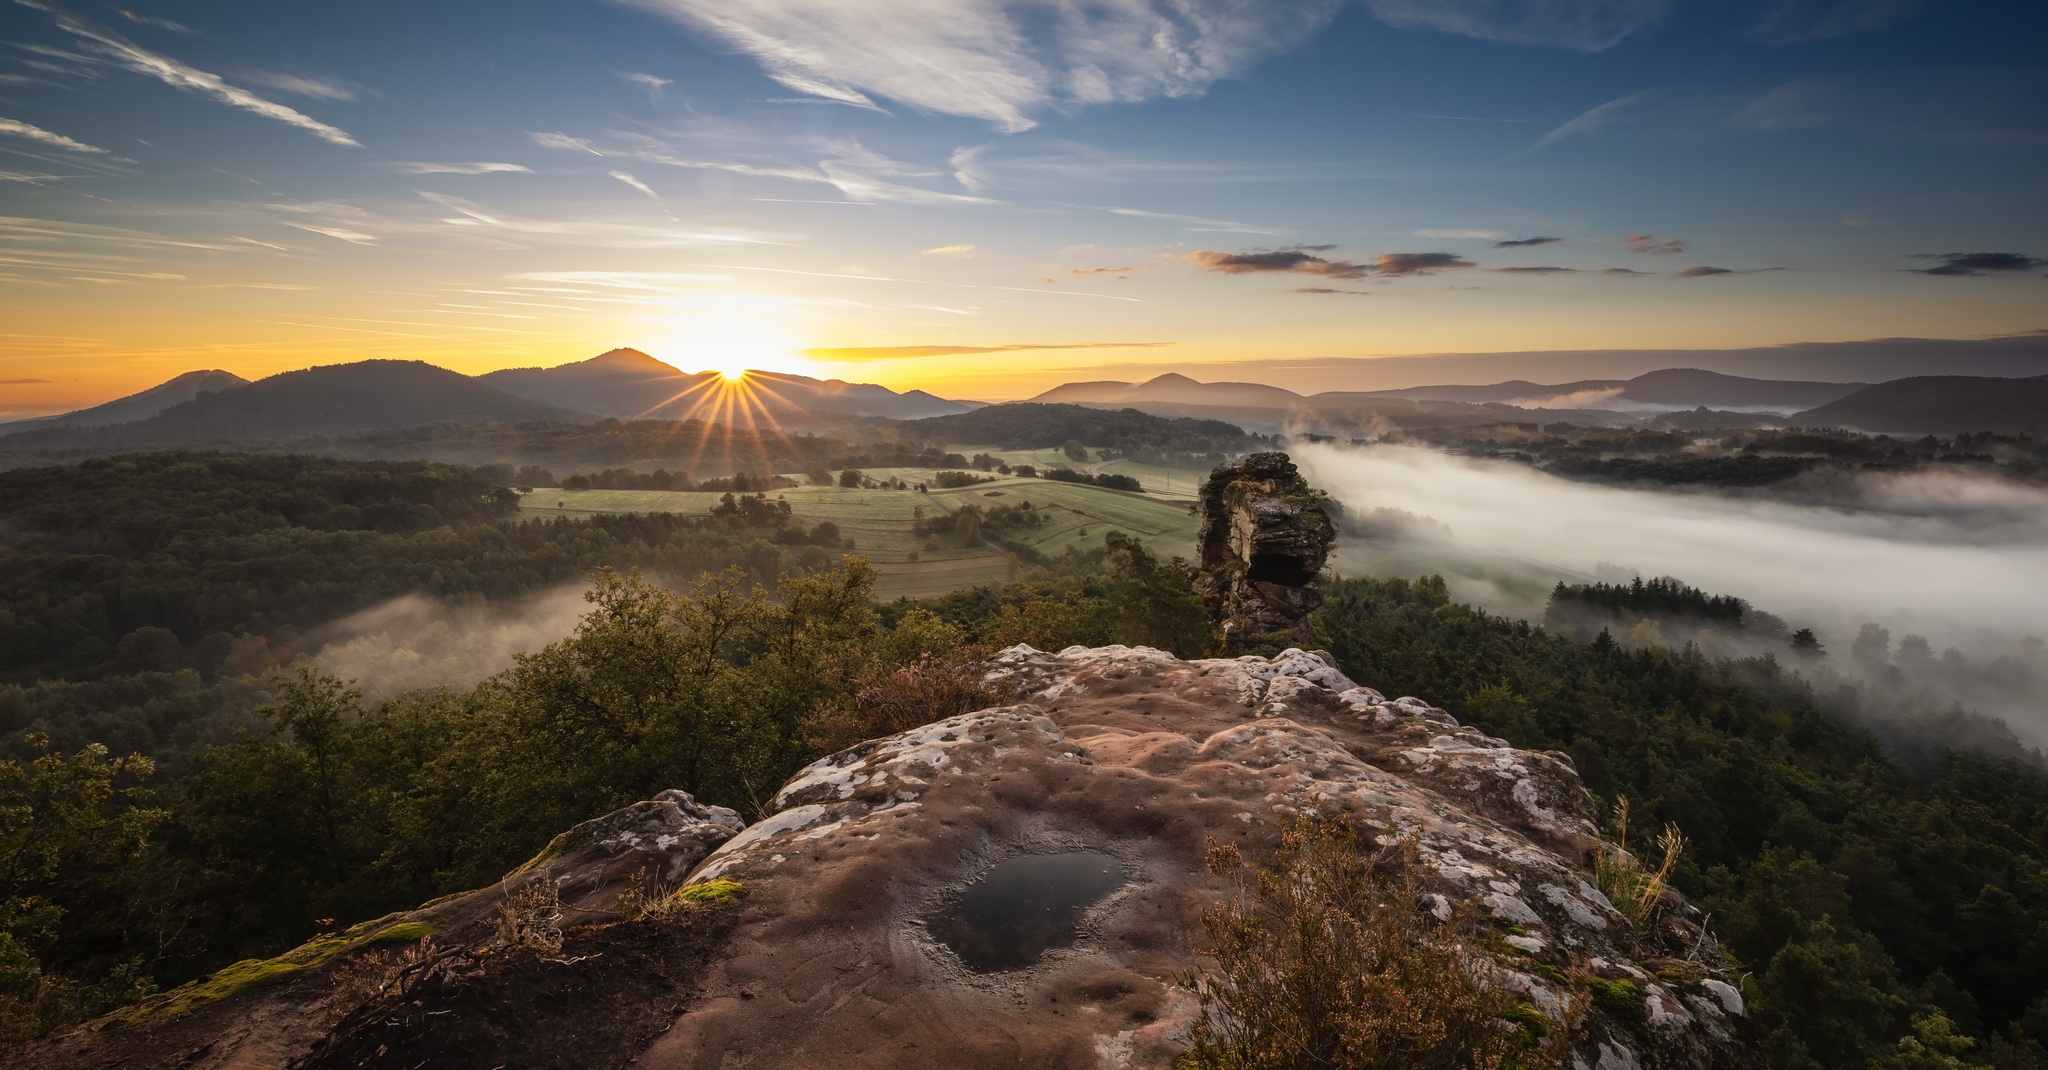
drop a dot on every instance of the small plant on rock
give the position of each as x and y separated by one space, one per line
1634 889
1326 958
532 916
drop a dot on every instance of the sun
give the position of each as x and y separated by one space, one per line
732 346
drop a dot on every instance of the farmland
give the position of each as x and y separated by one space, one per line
880 522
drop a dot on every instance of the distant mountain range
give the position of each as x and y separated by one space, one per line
333 399
1684 398
1665 390
1938 405
383 395
140 406
629 384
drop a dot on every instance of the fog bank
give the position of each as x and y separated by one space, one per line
415 641
1962 560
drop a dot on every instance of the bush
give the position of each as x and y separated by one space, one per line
1325 958
960 479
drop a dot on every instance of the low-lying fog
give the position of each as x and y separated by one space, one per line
1957 558
417 642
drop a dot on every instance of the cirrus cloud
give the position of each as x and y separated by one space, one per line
1584 25
1002 61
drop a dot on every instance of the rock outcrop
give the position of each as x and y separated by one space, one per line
1265 536
1022 886
1016 886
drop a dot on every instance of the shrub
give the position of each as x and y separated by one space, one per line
1325 958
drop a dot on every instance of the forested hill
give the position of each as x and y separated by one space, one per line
328 400
1029 425
218 563
1938 404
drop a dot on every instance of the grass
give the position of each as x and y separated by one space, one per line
248 974
879 522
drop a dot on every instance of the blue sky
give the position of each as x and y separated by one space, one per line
853 188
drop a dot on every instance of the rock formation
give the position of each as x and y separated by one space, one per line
1017 886
1265 536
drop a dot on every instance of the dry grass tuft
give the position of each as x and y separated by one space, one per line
1634 889
1326 958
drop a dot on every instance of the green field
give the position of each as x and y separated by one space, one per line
879 522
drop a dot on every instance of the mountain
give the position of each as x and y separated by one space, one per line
1937 405
332 399
1031 425
139 406
1171 388
1873 360
629 384
1666 389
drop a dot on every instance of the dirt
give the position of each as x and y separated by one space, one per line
597 1004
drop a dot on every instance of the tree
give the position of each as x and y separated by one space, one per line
852 478
66 824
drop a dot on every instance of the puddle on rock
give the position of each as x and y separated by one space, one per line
1024 907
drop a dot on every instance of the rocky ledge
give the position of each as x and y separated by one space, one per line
1017 886
876 933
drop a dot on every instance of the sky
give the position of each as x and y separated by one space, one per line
986 198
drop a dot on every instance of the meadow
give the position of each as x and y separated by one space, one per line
880 522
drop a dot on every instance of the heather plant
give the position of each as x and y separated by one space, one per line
1326 958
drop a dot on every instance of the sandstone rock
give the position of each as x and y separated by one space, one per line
1265 536
661 838
1023 885
1017 886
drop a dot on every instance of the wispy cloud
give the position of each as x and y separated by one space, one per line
1648 244
1119 272
179 75
1966 265
961 252
629 180
1546 270
1709 272
654 85
1585 25
864 354
1327 290
353 237
416 167
548 140
1793 21
1194 222
1466 232
1291 260
1003 61
150 20
1517 243
21 382
1799 105
1588 121
17 128
1624 271
304 85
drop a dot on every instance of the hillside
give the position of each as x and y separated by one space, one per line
333 399
629 384
1171 388
1667 388
1937 405
137 406
1033 425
